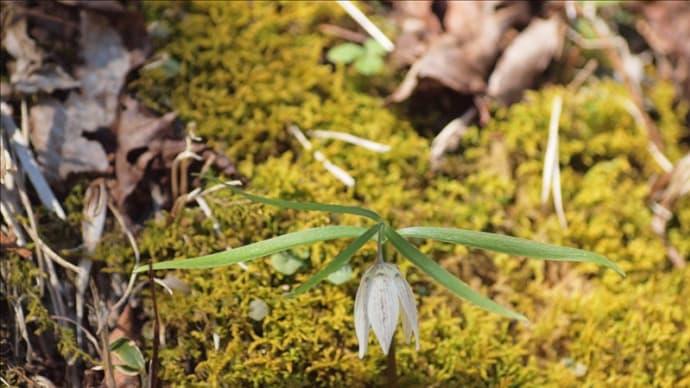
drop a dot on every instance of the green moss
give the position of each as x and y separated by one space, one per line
243 78
248 69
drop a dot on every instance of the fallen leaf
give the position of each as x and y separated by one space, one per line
418 25
147 146
139 136
29 73
8 243
525 59
61 148
666 27
62 132
462 62
464 19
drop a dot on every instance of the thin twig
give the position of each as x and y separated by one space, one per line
618 53
583 74
89 336
51 254
137 256
341 32
41 248
21 322
656 153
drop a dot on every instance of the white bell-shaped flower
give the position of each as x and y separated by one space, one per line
382 293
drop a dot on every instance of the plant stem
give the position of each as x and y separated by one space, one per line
391 367
379 250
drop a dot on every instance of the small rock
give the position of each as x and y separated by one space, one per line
258 309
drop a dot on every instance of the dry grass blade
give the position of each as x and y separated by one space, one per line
551 177
336 171
368 26
94 212
28 162
352 139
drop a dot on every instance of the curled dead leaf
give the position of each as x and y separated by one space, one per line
63 133
525 59
461 61
29 72
147 147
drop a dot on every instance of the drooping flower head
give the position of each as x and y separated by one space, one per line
382 293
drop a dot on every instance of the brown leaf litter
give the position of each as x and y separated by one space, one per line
91 128
666 27
461 57
147 147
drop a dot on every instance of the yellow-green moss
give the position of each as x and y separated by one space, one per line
248 69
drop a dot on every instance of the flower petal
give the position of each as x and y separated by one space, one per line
382 306
361 321
409 307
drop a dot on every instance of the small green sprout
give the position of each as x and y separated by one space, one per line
133 363
367 58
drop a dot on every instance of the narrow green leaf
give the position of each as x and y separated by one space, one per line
302 205
259 249
508 244
337 262
344 53
128 353
447 279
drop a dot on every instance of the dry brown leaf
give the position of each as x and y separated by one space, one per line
61 148
139 136
525 59
8 243
418 27
59 130
666 27
464 18
462 62
29 73
147 146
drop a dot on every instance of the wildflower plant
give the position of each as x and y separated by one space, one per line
383 291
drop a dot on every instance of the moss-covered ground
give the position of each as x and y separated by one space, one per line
247 70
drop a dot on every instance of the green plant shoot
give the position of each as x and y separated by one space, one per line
483 240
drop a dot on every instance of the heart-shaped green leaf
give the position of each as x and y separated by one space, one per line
344 53
129 353
369 64
371 46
